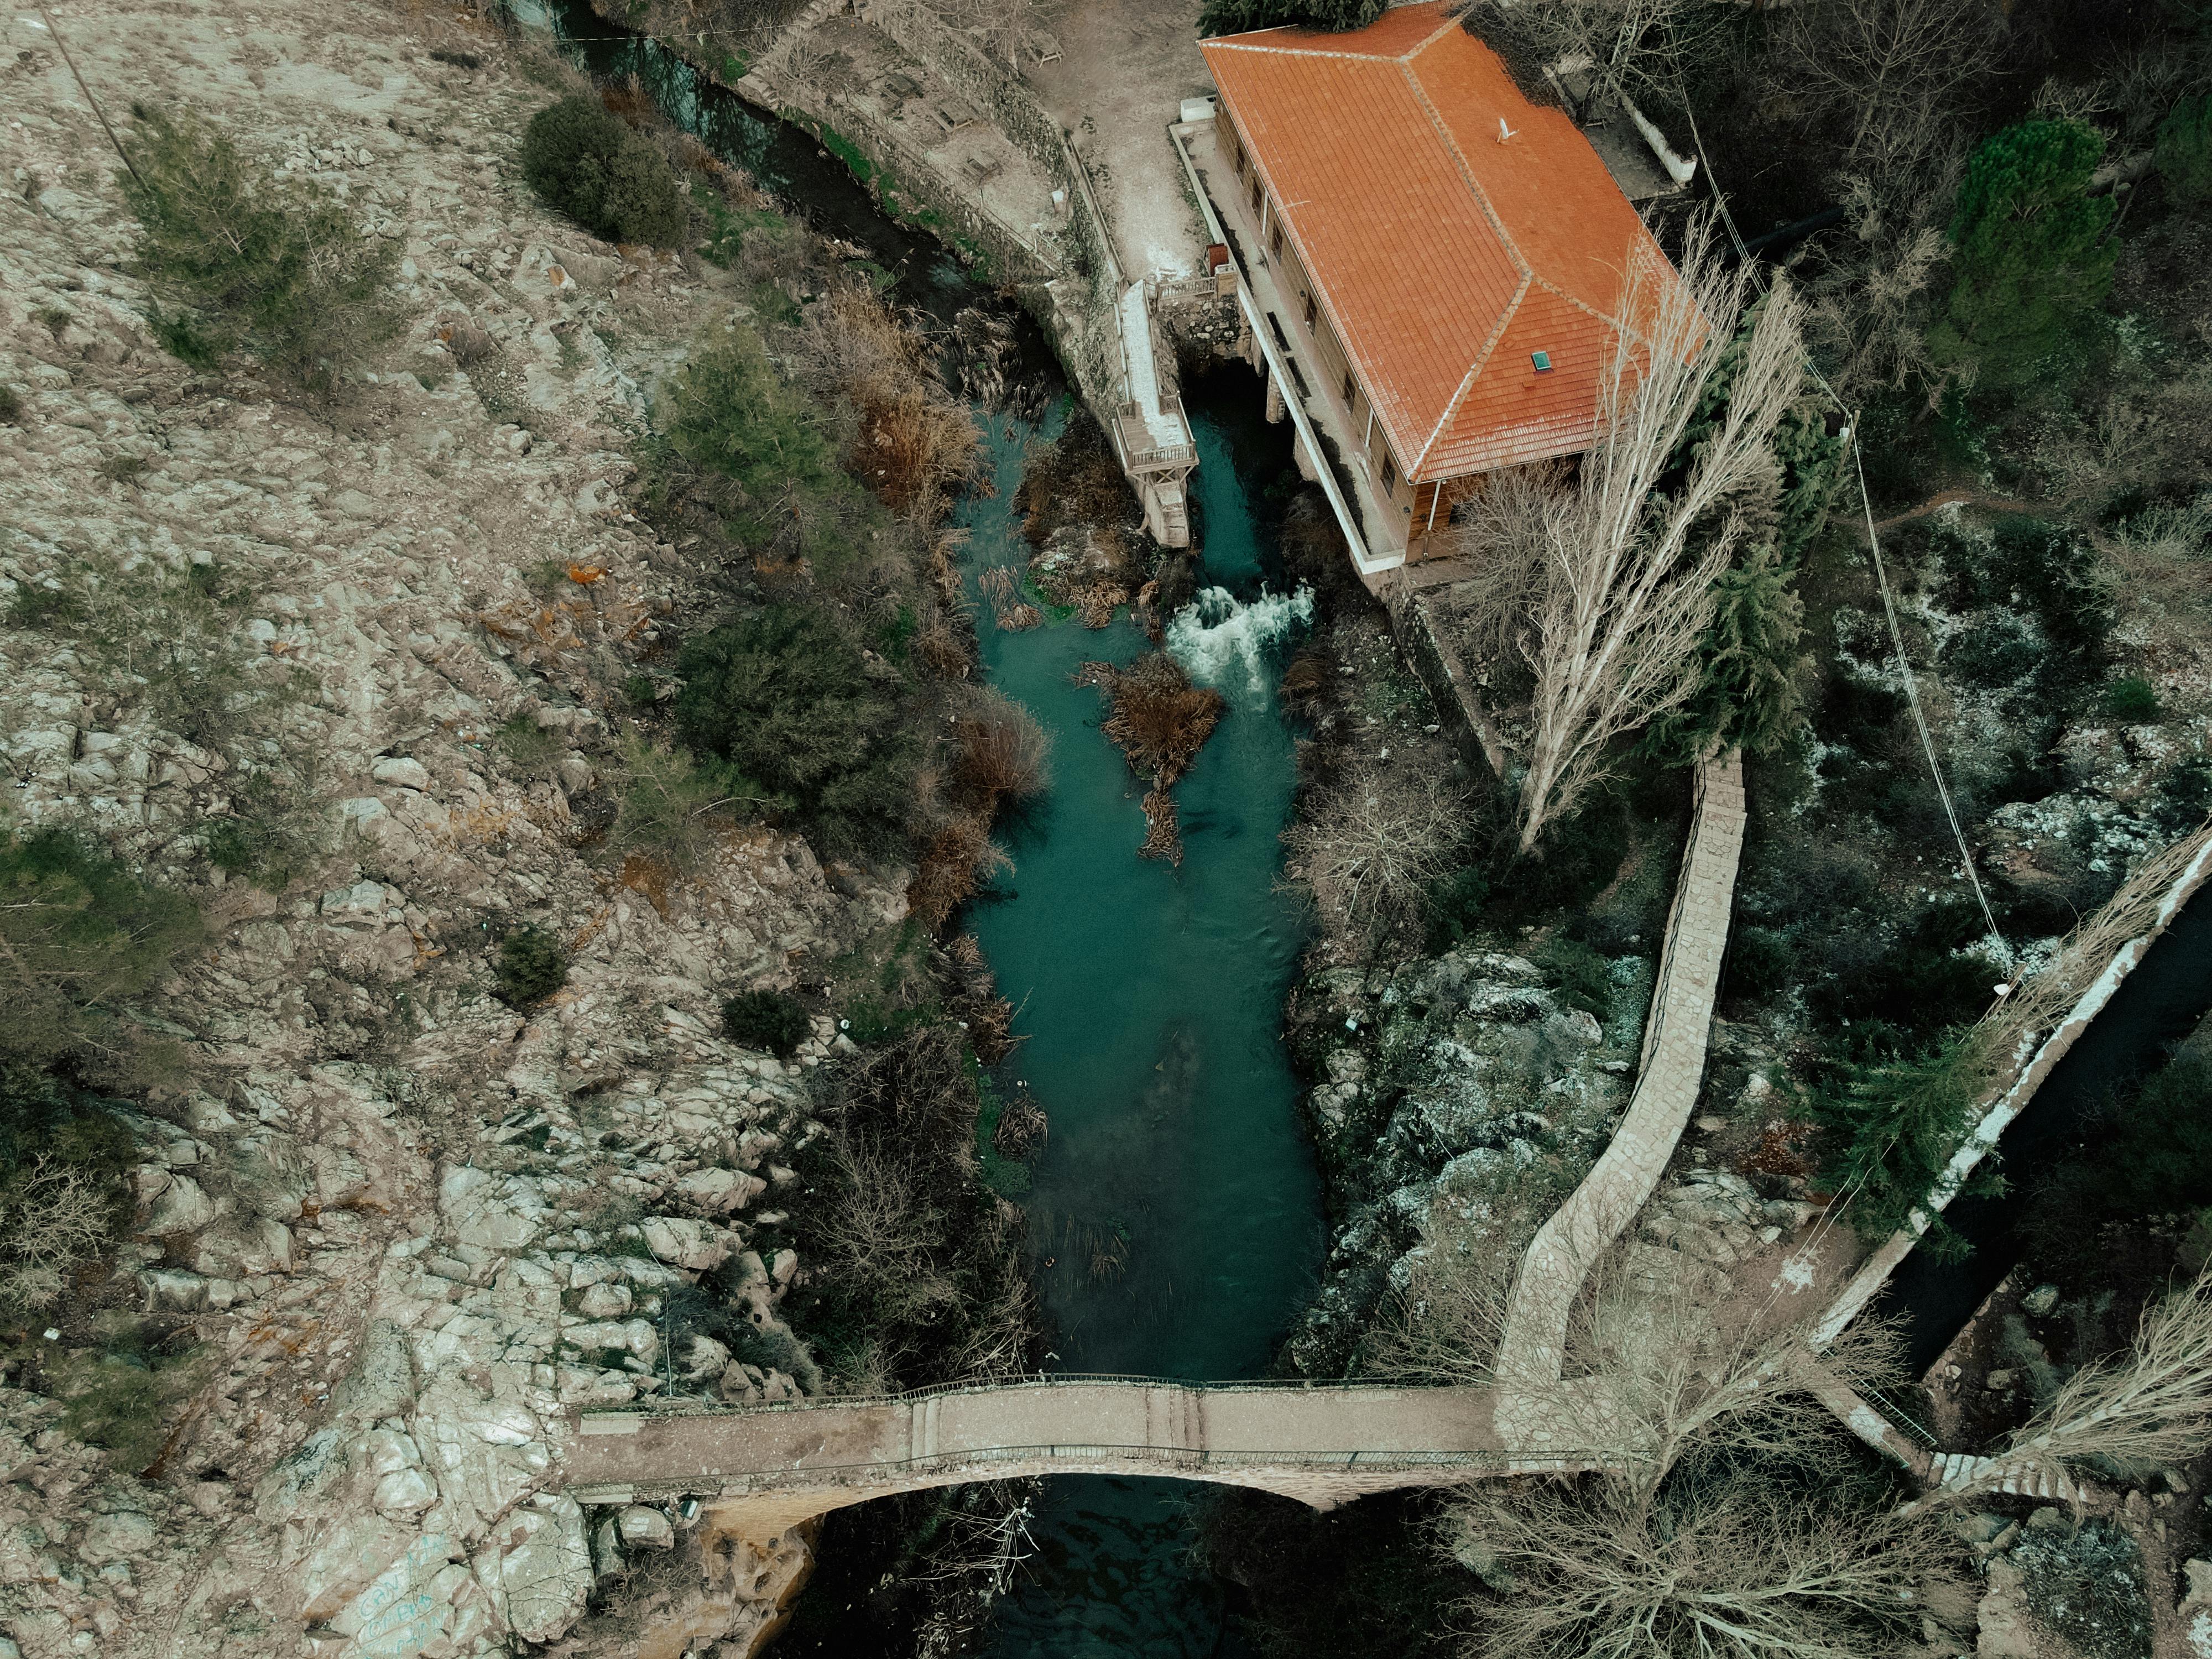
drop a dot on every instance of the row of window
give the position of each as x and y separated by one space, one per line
1250 176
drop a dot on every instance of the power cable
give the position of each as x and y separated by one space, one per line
1881 570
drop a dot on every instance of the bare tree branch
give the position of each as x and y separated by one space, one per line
1629 572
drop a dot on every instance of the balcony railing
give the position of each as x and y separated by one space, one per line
1143 453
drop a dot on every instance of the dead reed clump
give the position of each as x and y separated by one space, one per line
1094 605
1074 481
1013 614
631 101
1000 754
913 449
1162 828
1160 721
960 857
938 646
1022 1128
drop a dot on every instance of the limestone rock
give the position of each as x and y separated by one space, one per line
538 1567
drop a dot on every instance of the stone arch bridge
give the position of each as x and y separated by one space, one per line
768 1467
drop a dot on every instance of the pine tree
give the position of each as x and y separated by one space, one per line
2032 258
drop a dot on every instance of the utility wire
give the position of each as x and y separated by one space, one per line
1881 570
99 114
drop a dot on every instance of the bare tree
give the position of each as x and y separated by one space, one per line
1727 1569
1685 1543
1893 68
1628 572
2150 1407
1373 846
52 1217
1626 46
1001 28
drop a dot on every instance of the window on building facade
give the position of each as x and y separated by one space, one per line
1309 313
1390 472
1351 392
1276 241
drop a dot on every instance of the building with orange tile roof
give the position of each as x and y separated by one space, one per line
1450 255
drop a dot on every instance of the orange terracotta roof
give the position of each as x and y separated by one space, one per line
1443 256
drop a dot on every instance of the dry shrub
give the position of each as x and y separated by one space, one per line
999 753
1160 721
913 449
960 857
1373 846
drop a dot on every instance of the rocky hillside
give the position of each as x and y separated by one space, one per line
338 670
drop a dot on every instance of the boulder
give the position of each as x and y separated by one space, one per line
684 1242
181 1206
644 1527
718 1192
349 1558
538 1567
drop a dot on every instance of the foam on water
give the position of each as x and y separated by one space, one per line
1214 632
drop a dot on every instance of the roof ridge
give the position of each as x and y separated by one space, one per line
1474 370
1522 262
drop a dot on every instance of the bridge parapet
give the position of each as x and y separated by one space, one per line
771 1465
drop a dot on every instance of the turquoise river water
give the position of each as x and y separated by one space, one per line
1176 1214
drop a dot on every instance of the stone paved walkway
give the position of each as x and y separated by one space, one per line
1532 1349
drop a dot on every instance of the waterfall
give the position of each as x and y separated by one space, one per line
1214 632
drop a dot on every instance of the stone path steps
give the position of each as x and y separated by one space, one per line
1532 1349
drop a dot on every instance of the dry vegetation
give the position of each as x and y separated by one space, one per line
1160 721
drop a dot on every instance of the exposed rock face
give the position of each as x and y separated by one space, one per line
413 1229
1452 1094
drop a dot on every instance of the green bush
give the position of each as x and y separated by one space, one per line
728 414
676 807
277 268
2088 1586
1455 906
530 748
80 940
583 161
2133 699
772 1020
787 699
273 829
530 967
2032 258
1580 976
2185 153
1238 16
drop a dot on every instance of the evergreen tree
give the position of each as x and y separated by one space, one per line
2031 260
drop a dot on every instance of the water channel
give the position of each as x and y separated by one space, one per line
2156 1006
1176 1215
